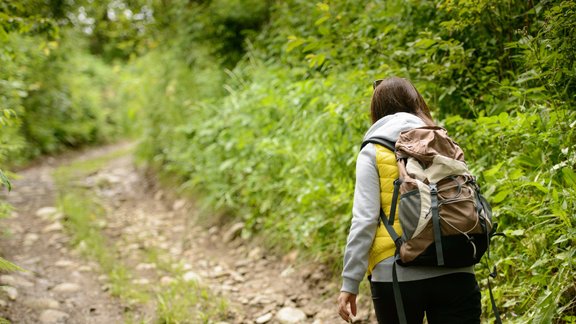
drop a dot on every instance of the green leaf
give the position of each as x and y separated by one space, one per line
311 46
504 118
566 255
323 6
226 165
320 59
516 232
569 176
492 171
536 185
560 211
294 42
516 174
5 181
528 160
5 265
424 43
321 20
500 196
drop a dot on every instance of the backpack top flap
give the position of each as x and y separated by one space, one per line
425 143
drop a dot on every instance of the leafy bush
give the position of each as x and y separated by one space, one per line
51 96
271 137
71 103
528 161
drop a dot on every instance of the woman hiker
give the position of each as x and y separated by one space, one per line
444 295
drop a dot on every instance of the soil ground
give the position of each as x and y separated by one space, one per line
63 286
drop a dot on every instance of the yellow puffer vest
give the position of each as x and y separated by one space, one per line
383 245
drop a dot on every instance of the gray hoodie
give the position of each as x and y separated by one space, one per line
366 210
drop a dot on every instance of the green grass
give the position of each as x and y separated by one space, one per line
188 302
178 302
66 175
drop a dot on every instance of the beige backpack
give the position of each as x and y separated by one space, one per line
445 220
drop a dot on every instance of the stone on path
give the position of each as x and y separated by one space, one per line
178 204
288 315
233 232
166 280
287 272
51 316
264 318
11 292
192 276
52 228
256 254
85 268
15 281
30 238
65 264
66 287
146 266
46 212
262 300
141 281
41 303
236 276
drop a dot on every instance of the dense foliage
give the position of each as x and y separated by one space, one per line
53 95
258 108
272 140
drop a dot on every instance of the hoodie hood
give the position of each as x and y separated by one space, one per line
390 127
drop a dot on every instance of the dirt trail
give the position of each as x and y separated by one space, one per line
60 286
63 287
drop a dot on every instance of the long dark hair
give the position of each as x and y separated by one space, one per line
393 95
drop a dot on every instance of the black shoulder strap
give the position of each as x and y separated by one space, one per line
395 284
378 140
388 224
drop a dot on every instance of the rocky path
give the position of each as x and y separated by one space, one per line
156 238
59 286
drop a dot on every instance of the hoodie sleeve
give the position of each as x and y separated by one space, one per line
365 213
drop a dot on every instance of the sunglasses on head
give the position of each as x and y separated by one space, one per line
376 83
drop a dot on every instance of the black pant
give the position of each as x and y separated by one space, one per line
453 298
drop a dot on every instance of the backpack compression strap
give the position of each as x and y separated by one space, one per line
436 224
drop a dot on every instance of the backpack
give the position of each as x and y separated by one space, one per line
445 220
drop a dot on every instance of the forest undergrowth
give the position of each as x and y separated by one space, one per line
276 149
257 109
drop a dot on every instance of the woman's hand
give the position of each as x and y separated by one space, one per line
344 299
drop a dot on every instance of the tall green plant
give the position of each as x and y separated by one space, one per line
277 148
45 104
